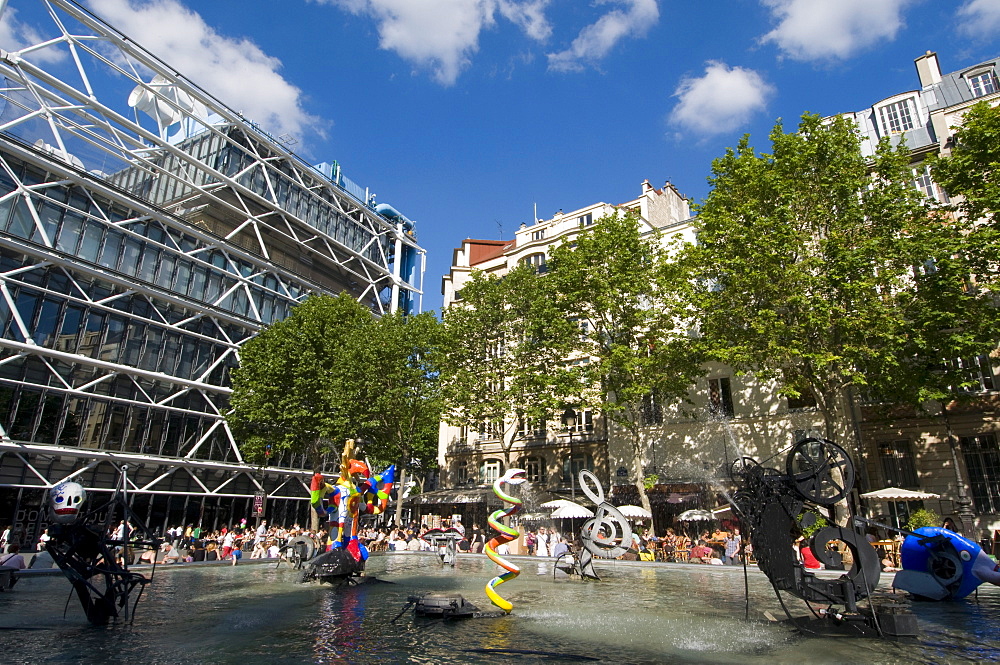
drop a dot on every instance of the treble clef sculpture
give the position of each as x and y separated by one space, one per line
608 534
507 534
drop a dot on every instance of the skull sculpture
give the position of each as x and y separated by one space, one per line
65 502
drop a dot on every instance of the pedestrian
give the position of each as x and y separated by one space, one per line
5 539
733 542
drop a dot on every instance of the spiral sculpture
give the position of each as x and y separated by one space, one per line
507 534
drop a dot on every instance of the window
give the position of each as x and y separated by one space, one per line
977 373
536 261
534 469
720 397
491 470
897 117
982 459
897 463
574 464
925 184
982 84
531 428
586 220
538 235
805 400
461 473
489 429
651 411
584 421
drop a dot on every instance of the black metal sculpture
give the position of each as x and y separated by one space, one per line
94 562
776 505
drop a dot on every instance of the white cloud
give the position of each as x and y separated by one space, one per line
442 35
596 40
818 29
721 101
236 71
15 35
979 18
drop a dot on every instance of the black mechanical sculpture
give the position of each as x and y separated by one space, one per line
94 562
774 505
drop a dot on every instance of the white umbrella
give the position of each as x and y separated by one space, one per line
898 494
571 511
635 512
556 503
694 516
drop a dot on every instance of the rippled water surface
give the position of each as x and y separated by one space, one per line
638 614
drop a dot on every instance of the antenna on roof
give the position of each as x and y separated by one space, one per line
499 227
534 220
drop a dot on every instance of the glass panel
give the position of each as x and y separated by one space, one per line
70 331
49 214
91 245
111 249
130 256
48 319
69 235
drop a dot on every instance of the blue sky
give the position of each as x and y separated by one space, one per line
466 114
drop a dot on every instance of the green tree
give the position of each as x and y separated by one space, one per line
827 272
506 347
288 392
633 300
394 365
972 172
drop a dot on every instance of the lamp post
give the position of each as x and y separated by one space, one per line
569 421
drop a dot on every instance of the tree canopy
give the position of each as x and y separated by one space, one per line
828 272
620 284
331 371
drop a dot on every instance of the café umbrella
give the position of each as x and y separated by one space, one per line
899 494
695 515
635 512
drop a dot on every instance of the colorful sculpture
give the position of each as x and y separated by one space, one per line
355 493
939 564
507 534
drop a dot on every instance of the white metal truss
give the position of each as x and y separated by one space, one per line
222 197
77 121
149 474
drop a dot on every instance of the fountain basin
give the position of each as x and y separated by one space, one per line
639 613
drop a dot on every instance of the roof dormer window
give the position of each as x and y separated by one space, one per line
897 117
982 82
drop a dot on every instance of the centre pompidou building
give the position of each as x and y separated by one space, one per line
146 232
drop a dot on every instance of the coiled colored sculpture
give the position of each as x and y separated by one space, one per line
507 534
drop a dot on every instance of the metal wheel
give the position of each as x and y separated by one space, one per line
820 471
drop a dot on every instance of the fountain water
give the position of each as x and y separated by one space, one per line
640 613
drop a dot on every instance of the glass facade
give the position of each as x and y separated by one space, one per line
146 232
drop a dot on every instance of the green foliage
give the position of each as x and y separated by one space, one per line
921 518
973 168
815 524
287 391
621 282
506 346
333 371
826 271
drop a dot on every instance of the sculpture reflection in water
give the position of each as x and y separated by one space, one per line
774 505
93 554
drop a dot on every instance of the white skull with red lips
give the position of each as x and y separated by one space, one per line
65 502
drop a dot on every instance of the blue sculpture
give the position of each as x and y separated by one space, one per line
939 564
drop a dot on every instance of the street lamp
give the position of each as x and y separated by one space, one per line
569 421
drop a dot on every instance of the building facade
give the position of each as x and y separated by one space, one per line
690 448
146 232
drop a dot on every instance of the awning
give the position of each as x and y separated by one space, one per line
898 494
454 497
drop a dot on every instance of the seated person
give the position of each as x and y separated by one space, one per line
149 556
211 552
170 553
700 553
13 558
715 559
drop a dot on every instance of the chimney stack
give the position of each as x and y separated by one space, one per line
928 69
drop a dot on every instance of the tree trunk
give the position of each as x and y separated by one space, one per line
400 488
